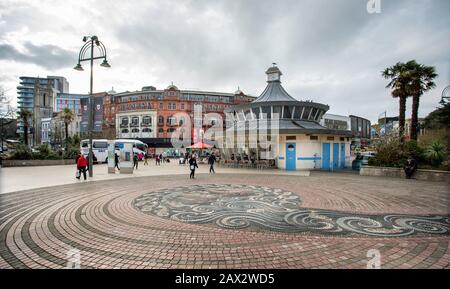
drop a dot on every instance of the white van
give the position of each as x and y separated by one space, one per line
139 147
99 148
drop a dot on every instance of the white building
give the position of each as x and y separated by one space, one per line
295 138
46 126
335 121
136 124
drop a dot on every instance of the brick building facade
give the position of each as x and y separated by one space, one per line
168 103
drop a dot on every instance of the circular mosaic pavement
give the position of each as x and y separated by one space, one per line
117 223
241 206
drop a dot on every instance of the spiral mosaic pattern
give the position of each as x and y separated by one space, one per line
242 206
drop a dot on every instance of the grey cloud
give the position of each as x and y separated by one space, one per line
328 39
47 56
331 51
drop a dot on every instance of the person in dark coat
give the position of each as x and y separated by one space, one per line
116 161
211 161
410 167
135 161
192 166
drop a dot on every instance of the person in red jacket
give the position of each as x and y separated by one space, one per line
81 166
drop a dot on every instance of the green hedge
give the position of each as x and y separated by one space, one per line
393 153
44 152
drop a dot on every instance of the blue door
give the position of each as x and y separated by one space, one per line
291 157
326 156
342 155
335 156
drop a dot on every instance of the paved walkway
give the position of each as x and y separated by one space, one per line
23 178
228 221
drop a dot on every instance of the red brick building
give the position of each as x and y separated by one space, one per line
166 103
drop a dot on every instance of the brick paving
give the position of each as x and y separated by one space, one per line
38 227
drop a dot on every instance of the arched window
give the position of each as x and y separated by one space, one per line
170 130
147 130
161 119
135 130
125 130
161 130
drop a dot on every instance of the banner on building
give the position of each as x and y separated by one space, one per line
98 114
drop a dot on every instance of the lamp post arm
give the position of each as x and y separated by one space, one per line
83 51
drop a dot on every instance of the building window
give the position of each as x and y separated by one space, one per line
181 122
330 137
287 112
161 130
266 112
125 131
146 120
342 138
135 121
124 121
170 130
147 130
291 137
314 137
161 119
161 105
171 120
306 113
277 110
172 106
182 106
135 130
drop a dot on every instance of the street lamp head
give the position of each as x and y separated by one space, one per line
85 38
78 67
105 64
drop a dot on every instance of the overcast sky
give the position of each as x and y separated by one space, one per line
330 51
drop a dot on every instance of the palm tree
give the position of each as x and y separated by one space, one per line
67 116
25 116
399 84
422 80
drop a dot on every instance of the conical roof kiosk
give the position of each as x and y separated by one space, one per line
297 139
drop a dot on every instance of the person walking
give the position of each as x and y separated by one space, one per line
211 161
192 166
116 161
146 159
81 166
135 161
157 160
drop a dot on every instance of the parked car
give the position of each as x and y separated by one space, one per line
361 160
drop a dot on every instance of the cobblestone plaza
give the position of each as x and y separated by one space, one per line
235 219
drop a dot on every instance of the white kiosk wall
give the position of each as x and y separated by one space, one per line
111 157
126 159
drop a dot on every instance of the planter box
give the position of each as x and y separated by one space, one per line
422 175
30 163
